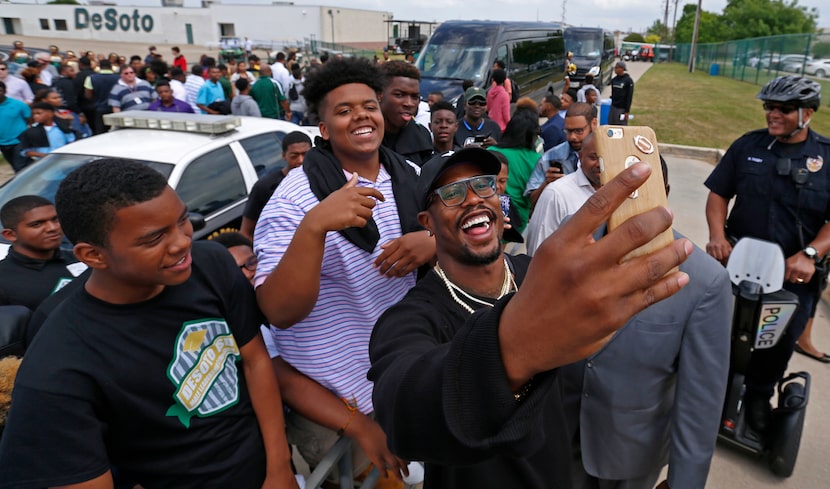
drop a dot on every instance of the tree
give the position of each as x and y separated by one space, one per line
64 2
756 18
657 28
652 38
634 37
711 28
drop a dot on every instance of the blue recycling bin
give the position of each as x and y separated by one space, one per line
604 109
714 69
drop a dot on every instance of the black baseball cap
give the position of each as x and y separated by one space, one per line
434 168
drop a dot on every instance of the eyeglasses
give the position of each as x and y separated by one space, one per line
455 193
784 109
578 131
480 103
250 263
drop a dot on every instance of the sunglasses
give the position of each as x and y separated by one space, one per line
480 103
455 193
784 109
250 263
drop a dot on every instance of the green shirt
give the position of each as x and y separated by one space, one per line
268 96
521 162
226 87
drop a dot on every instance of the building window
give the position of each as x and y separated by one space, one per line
44 24
60 24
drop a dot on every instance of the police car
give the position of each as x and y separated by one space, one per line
211 161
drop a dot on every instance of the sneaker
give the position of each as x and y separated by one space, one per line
758 412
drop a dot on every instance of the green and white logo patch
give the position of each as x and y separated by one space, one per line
204 370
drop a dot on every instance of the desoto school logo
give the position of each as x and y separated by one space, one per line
204 370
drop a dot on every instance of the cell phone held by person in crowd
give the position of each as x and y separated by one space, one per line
556 164
505 205
619 147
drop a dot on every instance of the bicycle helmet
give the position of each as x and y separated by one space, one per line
792 88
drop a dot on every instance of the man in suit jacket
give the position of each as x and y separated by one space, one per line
652 396
654 393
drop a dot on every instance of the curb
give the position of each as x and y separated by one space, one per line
709 155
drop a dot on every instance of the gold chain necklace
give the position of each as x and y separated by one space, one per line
507 286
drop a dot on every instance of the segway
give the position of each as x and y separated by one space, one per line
761 316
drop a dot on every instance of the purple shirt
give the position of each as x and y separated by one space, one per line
178 106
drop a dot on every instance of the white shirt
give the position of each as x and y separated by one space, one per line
281 74
17 88
557 201
178 89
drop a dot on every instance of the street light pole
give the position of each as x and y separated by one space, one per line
694 38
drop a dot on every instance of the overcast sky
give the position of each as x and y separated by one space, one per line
624 15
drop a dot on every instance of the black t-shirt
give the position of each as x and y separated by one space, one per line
261 193
486 127
413 142
442 396
27 282
155 388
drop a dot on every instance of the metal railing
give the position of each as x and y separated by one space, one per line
340 456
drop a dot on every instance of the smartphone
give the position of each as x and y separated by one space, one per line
619 147
556 164
479 139
504 200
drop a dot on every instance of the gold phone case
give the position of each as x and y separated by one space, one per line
619 147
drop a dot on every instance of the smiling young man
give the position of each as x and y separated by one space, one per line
343 232
444 125
475 124
465 365
782 194
155 366
399 103
35 267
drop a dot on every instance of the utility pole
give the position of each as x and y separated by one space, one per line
673 30
666 22
564 9
694 38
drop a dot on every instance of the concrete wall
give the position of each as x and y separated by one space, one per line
167 24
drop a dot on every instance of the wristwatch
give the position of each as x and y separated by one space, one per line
811 253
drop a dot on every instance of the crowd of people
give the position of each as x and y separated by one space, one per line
434 291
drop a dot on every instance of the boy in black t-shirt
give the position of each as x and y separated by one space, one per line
140 368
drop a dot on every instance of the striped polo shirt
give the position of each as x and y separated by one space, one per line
331 345
137 97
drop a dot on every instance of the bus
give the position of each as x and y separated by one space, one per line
593 50
458 50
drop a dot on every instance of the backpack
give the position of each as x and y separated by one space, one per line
292 92
514 96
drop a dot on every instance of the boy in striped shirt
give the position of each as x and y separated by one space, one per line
338 243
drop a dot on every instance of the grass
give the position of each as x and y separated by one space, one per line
696 109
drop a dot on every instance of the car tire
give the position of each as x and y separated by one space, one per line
820 73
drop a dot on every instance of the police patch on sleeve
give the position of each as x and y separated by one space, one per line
204 370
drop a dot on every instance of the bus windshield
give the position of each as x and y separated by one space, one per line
585 44
458 53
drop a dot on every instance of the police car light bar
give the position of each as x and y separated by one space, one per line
171 121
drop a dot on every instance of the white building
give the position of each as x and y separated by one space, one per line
197 22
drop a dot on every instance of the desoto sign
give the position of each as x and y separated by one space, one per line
111 20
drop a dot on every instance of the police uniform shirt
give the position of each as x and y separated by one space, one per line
769 204
28 281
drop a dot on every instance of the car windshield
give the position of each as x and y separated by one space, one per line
43 177
462 54
583 44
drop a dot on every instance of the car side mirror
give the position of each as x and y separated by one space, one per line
197 220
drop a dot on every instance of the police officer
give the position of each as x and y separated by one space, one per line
782 194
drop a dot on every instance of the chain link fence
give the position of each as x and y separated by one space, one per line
761 59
